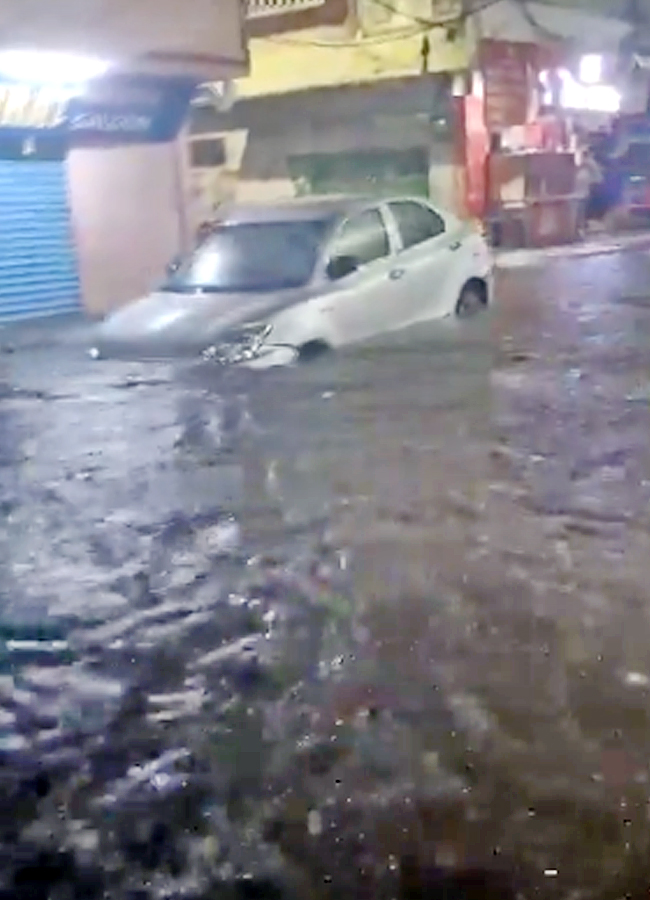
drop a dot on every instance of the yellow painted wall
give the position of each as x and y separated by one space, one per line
305 60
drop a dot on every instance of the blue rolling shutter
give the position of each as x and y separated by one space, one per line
38 266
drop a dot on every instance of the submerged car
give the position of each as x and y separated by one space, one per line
273 284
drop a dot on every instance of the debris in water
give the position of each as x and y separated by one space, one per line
636 679
314 823
640 395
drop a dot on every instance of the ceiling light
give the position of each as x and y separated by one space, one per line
43 67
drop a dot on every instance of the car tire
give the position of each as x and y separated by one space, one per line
472 299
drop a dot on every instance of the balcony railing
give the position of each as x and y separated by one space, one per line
258 9
269 17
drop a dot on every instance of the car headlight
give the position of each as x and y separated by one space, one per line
253 336
241 344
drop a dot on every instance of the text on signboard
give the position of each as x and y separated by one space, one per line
130 123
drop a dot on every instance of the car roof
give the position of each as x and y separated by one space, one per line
294 209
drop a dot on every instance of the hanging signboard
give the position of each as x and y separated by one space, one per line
26 107
506 70
136 108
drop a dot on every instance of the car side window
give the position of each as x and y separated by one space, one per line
416 222
363 237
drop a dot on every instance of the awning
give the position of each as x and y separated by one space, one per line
198 37
546 22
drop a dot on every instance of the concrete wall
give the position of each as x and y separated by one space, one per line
129 216
373 117
374 42
267 151
264 175
447 186
265 172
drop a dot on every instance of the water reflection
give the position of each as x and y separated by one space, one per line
375 627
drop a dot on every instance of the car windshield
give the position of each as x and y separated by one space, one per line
260 256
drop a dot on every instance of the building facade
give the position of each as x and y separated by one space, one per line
366 95
340 97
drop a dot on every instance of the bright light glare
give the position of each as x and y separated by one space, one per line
603 98
36 67
591 68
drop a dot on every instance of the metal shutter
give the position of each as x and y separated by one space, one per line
38 266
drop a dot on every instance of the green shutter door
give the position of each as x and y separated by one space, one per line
377 172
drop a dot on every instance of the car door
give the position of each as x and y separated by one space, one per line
364 302
426 260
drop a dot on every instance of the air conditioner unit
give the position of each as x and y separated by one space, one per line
220 95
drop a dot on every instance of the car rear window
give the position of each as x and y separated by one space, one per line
417 223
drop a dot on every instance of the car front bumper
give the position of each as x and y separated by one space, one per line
273 356
265 356
262 356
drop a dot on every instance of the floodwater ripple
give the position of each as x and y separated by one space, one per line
376 627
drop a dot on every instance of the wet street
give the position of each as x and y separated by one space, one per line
375 627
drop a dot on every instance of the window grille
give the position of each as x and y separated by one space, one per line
257 9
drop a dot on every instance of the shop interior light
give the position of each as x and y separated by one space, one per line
601 98
590 70
49 68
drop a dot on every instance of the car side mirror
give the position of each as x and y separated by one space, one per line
340 266
173 266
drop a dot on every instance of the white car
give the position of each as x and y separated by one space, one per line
273 284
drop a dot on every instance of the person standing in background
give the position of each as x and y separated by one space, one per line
608 151
588 177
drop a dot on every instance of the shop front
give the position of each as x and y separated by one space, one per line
38 263
92 98
524 137
71 209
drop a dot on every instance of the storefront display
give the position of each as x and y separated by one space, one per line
530 181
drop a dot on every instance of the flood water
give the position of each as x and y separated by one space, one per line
376 627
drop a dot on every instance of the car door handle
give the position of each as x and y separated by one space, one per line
396 274
455 246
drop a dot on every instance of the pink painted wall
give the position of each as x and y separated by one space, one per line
129 210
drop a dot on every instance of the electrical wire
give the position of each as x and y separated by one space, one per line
438 23
423 26
535 24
